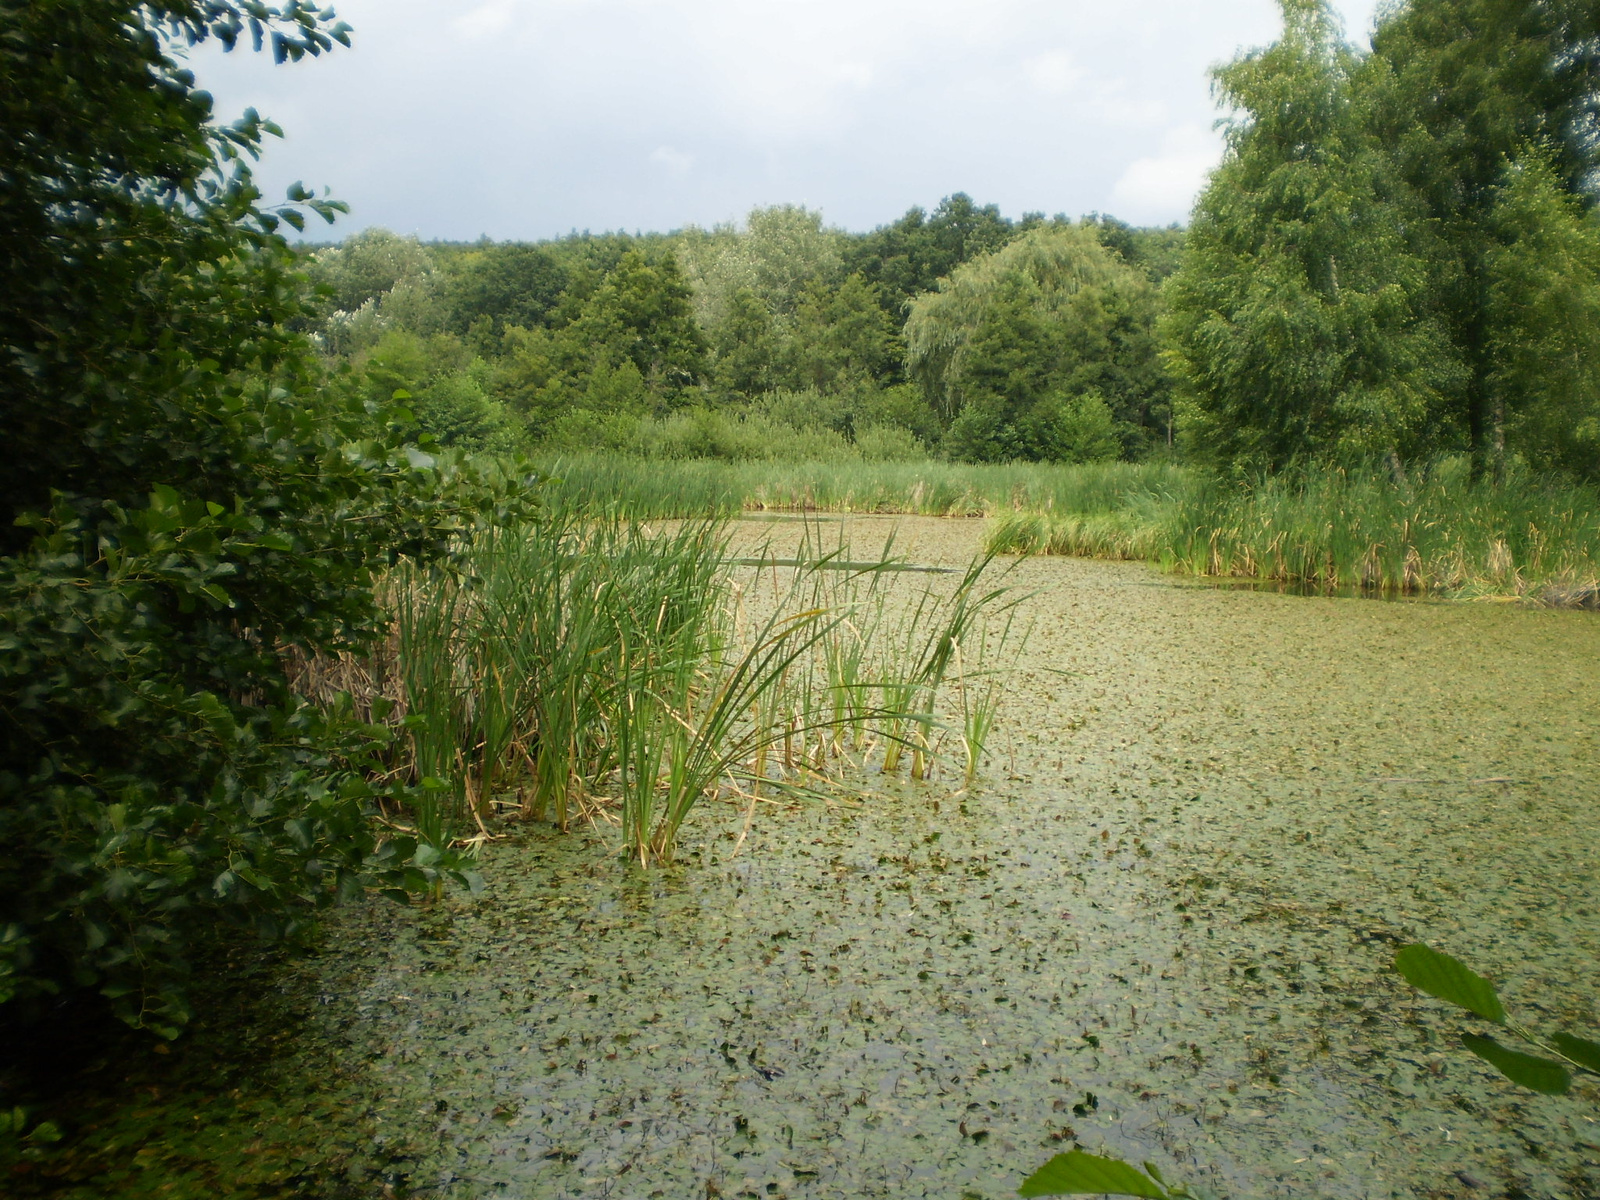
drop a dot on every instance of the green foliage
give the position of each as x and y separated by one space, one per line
372 283
1527 1070
628 347
747 346
501 285
780 253
187 506
1457 91
1395 257
1296 323
1079 1174
1452 981
1021 351
842 337
911 255
1544 334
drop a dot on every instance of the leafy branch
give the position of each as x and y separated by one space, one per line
1450 980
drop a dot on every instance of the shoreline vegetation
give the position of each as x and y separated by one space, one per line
1439 533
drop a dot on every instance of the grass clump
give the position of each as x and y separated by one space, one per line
597 666
1439 531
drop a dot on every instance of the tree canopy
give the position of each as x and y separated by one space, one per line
1050 332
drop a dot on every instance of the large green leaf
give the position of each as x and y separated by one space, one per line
1080 1174
1450 980
1580 1050
1539 1074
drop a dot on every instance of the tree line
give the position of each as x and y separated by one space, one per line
1397 259
958 330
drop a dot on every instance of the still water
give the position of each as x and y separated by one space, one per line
1161 925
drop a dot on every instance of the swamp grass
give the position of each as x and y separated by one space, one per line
1436 532
689 488
597 666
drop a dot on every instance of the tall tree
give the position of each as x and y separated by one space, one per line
1051 317
911 255
511 284
1295 322
1460 92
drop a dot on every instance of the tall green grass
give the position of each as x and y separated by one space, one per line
684 488
1438 531
595 665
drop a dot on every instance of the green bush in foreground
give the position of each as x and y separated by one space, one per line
185 503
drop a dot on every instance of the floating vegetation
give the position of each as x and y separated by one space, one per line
1161 929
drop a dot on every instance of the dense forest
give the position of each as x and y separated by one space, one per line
959 332
1398 258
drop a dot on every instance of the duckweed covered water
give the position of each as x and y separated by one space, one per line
1161 927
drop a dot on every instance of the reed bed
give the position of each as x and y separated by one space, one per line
1438 532
686 488
596 666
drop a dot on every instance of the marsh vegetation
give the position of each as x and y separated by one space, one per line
537 717
1161 926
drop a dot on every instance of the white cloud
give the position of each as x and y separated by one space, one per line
547 115
1053 73
486 20
1152 188
675 161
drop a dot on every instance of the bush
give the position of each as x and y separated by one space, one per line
187 505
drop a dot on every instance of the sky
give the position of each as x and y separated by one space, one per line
527 119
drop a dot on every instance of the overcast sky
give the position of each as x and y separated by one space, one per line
531 118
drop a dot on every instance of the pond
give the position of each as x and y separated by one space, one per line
1160 925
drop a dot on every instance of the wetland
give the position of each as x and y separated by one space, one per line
1160 924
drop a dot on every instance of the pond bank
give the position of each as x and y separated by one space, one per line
1161 926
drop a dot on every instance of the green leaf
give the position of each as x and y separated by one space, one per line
1080 1174
1580 1050
1450 980
1539 1074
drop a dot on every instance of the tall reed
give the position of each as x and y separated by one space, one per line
594 663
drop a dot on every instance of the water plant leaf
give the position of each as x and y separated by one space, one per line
1079 1174
1530 1071
1451 980
1580 1050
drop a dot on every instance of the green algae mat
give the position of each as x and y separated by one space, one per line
1162 926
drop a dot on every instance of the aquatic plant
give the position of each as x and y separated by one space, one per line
591 662
696 487
981 681
1435 530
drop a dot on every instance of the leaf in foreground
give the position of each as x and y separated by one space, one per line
1580 1050
1451 980
1540 1074
1080 1174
